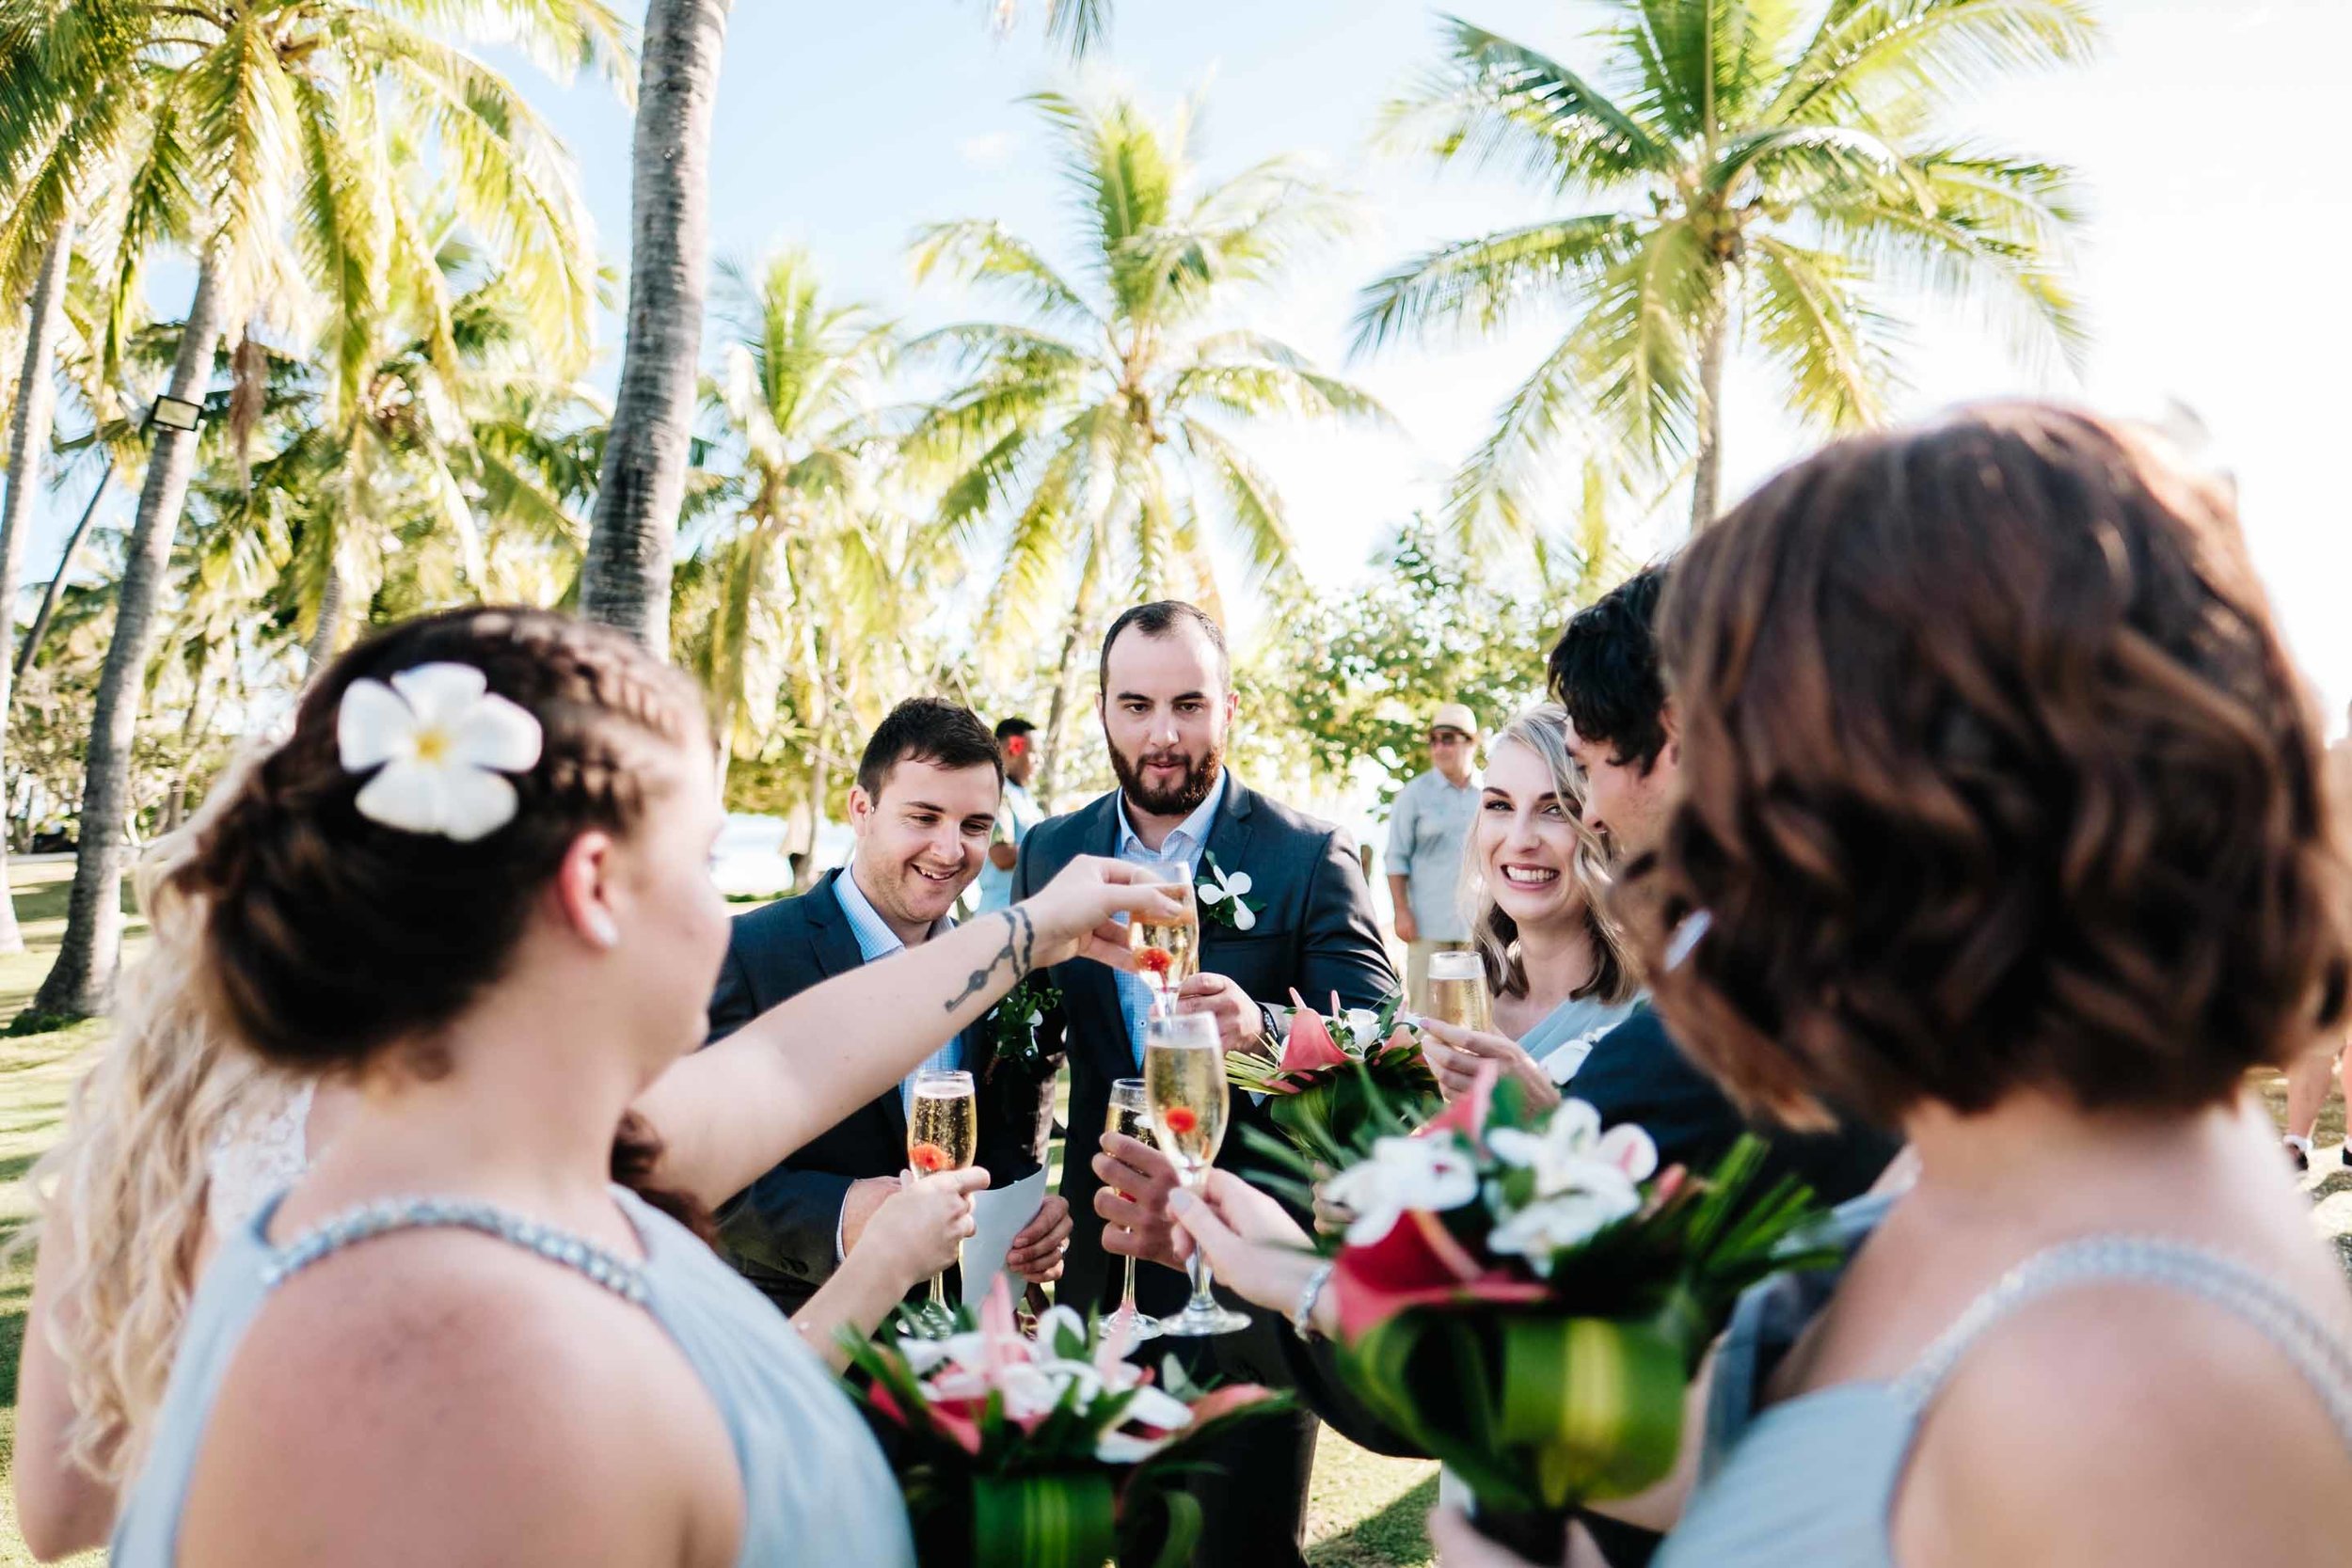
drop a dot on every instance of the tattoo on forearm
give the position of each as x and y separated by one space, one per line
1020 947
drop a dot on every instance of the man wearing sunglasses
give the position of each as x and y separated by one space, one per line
1429 824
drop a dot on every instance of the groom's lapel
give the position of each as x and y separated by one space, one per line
1229 838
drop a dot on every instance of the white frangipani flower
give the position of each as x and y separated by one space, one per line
1428 1174
441 742
1549 1226
1220 884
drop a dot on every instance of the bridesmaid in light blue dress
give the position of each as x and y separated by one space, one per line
473 881
1533 880
2006 821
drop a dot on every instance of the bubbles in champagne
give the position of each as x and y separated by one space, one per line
1186 1084
942 1131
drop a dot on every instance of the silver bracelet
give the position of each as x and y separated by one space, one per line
1302 1316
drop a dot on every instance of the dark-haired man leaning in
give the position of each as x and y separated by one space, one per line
1167 705
1605 672
923 808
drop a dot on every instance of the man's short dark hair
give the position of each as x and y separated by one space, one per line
1605 671
1158 619
1008 728
927 729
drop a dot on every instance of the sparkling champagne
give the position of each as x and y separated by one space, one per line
1167 954
944 1133
1186 1084
1457 991
1131 1121
1184 1078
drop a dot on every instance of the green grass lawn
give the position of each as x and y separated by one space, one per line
1366 1510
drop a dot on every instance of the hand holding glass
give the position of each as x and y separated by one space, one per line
1457 991
942 1134
1131 1117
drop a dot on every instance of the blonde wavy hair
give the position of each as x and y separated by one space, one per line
1543 729
124 1192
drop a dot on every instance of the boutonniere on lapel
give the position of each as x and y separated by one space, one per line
1225 897
1012 1028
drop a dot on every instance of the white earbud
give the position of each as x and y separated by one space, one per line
602 930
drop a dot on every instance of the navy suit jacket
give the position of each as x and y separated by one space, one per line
1317 934
779 1231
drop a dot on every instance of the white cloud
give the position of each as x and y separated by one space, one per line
990 150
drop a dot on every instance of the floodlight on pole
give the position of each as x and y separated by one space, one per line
176 414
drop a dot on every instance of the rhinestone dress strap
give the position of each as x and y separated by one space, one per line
599 1264
2323 1356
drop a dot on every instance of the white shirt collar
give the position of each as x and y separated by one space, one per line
875 936
1193 830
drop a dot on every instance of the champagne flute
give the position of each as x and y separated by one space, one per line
1131 1115
1168 953
942 1134
1183 1077
1457 991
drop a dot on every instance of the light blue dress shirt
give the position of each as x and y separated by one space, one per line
876 939
1178 855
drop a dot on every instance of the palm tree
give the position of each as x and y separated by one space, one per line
800 579
265 136
644 483
29 430
1092 429
1751 180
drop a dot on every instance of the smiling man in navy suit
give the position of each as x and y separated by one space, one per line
923 808
1167 706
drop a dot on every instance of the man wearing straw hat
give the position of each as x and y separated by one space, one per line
1429 825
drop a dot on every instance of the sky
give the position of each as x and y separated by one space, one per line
2206 134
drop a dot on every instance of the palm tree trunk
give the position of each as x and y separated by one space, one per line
1707 472
56 589
1057 716
625 579
82 980
331 622
28 444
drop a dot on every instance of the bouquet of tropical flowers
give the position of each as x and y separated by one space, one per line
1358 1072
1041 1451
1527 1297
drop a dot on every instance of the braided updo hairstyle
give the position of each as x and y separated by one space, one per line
332 936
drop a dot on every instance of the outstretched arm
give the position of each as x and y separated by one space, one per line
733 1110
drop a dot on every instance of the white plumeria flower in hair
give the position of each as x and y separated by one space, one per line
1235 885
442 742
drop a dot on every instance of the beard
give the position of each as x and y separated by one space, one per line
1180 798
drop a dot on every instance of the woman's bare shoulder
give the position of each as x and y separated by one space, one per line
444 1397
2124 1422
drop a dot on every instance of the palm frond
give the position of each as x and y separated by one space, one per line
1253 508
978 250
1927 53
1479 284
1833 351
1497 103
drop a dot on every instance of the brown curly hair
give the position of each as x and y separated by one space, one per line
330 938
1995 775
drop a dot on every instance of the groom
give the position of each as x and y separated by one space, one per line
1166 705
